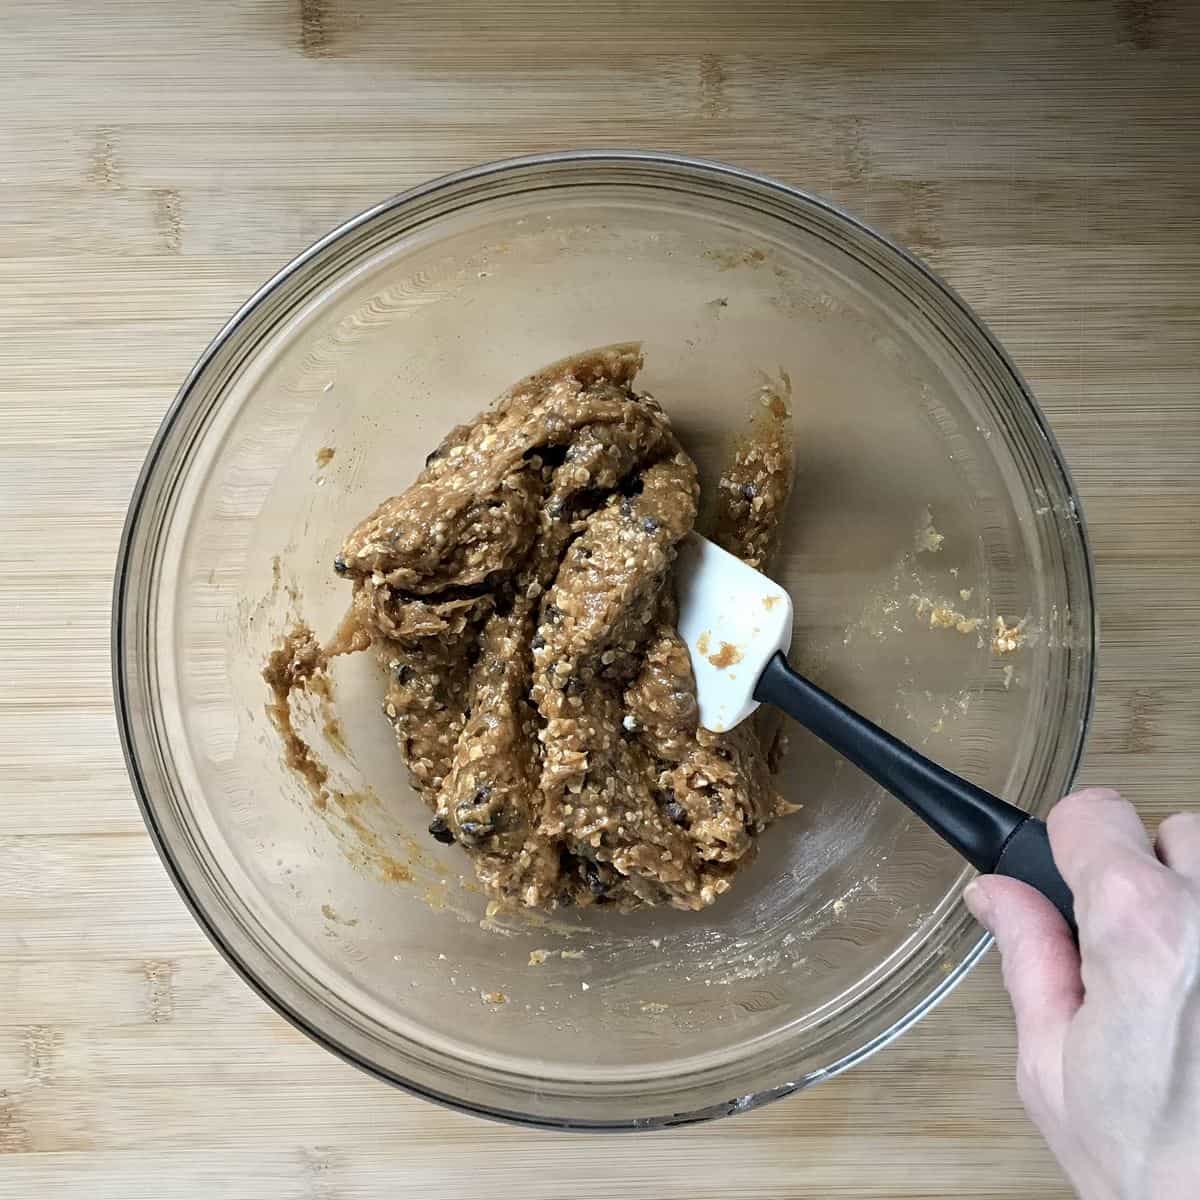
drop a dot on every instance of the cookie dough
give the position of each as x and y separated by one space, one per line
519 593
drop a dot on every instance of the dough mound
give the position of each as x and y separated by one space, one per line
519 593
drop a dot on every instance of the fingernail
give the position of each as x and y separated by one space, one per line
976 900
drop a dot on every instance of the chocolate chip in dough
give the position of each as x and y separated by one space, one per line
441 831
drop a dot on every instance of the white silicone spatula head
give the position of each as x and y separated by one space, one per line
733 620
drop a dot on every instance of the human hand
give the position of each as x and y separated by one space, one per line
1108 1034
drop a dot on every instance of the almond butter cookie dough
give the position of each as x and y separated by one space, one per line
519 593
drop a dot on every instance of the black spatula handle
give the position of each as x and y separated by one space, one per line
991 834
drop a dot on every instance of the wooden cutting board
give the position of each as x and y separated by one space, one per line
158 159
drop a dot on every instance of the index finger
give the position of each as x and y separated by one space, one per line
1093 830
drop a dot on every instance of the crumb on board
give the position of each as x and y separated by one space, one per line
494 998
325 456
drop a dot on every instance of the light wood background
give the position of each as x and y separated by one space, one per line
159 159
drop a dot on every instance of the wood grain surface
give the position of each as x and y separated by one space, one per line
159 159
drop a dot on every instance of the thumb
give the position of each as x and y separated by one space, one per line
1040 964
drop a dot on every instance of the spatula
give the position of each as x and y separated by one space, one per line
737 625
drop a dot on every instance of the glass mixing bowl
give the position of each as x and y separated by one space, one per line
930 500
